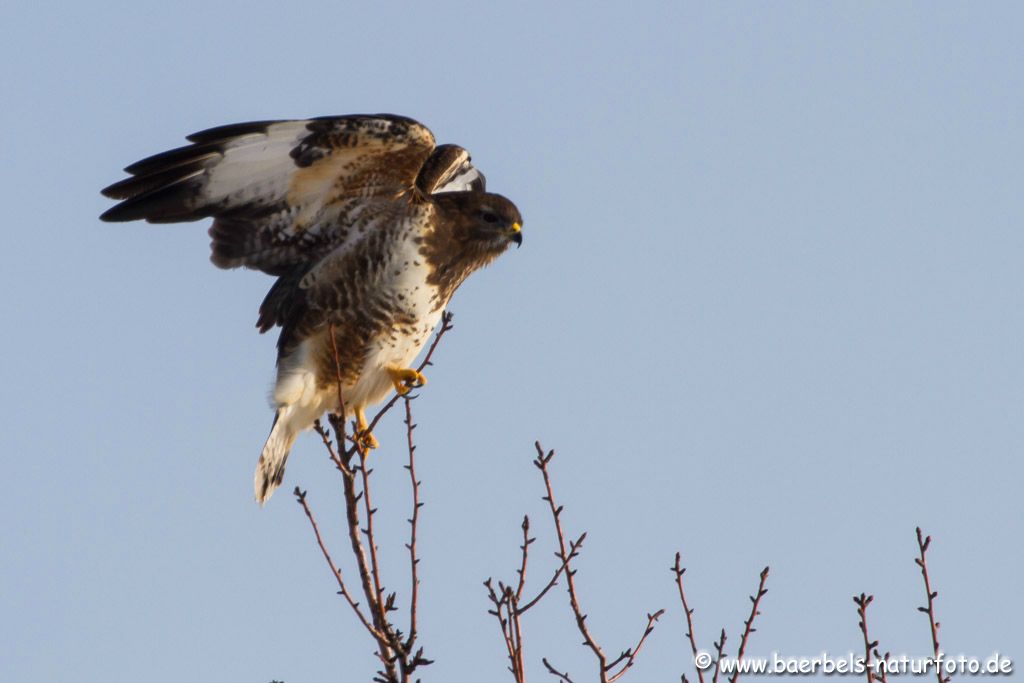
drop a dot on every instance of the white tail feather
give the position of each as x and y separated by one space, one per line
270 468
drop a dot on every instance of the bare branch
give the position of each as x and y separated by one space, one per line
630 655
567 555
862 601
574 550
581 619
525 547
719 649
679 570
517 636
748 625
301 496
563 677
371 541
413 523
329 445
504 611
922 561
509 612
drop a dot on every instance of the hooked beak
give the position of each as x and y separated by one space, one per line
517 234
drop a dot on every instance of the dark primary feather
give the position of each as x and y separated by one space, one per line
161 198
231 130
162 186
141 184
175 157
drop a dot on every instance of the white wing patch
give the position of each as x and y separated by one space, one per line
466 179
256 167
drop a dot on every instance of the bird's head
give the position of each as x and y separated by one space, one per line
496 221
472 229
486 222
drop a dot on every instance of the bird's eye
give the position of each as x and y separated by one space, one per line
489 217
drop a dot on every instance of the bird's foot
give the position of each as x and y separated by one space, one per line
406 379
367 440
363 435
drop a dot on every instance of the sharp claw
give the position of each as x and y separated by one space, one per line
406 379
366 438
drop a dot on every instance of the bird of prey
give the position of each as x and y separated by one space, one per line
369 228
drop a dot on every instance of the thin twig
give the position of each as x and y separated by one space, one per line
883 672
922 561
525 548
517 634
504 611
301 496
371 540
581 619
748 625
562 676
679 570
574 550
329 445
719 649
413 523
566 555
862 601
507 608
631 654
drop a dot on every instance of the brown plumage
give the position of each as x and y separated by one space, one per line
368 227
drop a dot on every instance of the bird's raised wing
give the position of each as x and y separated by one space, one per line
284 193
448 169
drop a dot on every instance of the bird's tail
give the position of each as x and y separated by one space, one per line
270 468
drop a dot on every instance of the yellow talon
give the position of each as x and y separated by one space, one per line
363 433
406 379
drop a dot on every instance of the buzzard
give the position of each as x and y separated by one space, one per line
369 228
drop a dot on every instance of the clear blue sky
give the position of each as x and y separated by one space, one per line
768 310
